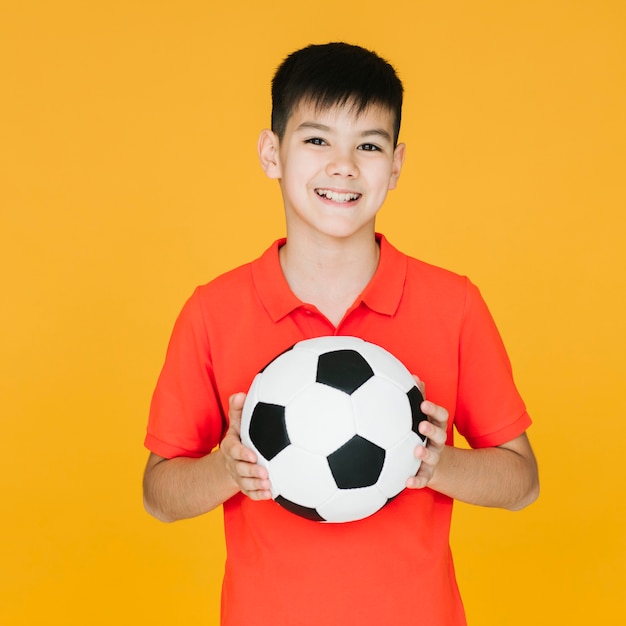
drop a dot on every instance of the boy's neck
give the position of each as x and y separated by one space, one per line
330 274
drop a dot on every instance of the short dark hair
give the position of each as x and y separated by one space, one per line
332 74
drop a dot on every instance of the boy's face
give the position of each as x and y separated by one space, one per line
335 167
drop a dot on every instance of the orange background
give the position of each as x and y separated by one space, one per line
128 175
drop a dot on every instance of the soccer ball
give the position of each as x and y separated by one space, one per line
334 420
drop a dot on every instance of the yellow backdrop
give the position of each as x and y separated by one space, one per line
128 175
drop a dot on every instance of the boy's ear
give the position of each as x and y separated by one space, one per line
268 153
396 167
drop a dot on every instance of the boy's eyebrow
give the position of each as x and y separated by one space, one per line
381 132
314 126
377 131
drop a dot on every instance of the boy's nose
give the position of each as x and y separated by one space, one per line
342 165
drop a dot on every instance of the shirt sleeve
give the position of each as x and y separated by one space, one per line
186 417
490 410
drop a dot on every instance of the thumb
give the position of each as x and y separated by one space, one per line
235 408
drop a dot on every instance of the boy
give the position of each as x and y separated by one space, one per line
334 149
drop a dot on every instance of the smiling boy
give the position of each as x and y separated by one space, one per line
335 168
334 149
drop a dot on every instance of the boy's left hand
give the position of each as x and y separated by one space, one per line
435 429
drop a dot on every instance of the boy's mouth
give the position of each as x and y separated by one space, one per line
337 196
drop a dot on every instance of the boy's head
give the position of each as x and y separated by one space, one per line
334 74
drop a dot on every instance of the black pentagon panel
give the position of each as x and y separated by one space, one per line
357 463
345 370
268 430
415 400
300 510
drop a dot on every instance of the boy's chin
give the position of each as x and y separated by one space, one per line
344 232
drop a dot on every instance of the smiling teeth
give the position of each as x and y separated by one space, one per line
337 197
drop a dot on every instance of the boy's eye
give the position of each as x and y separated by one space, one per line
316 141
369 147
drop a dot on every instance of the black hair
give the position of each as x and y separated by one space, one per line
333 74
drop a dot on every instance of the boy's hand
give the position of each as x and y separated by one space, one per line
435 430
241 462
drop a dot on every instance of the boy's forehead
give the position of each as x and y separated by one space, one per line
341 114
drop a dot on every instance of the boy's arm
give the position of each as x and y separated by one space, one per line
504 476
184 487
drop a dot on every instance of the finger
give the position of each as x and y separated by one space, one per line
236 400
257 494
425 472
244 469
434 433
429 458
419 481
235 407
232 447
436 414
253 481
428 455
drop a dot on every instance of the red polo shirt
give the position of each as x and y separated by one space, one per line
394 567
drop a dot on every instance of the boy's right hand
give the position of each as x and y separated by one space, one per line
241 462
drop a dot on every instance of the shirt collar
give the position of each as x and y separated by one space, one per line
382 294
384 291
271 285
